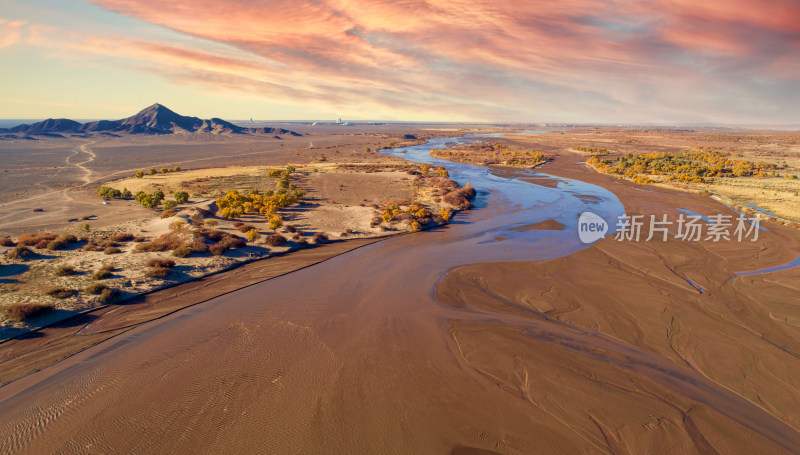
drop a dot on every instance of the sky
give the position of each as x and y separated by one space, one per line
583 61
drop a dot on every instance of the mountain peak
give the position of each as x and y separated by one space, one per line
160 119
156 107
157 110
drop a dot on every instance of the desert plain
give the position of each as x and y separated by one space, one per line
494 332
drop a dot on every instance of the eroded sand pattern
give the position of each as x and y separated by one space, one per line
454 342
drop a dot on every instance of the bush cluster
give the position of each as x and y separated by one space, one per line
150 201
19 252
112 193
594 150
235 204
153 171
412 213
275 240
35 239
21 312
100 245
461 197
159 268
183 242
59 243
696 166
486 154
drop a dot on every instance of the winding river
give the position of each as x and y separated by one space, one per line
357 355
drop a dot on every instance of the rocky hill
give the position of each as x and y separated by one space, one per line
156 119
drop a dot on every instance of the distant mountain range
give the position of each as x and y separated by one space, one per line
155 119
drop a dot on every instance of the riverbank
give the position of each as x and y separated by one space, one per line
69 271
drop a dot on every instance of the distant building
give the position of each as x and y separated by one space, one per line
339 121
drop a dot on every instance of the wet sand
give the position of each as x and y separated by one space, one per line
41 348
397 347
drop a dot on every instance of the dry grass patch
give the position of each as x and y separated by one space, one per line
60 293
22 312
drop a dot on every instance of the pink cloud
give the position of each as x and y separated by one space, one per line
490 59
10 32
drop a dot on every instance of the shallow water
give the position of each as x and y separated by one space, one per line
507 202
787 266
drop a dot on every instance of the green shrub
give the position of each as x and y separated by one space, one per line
181 196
